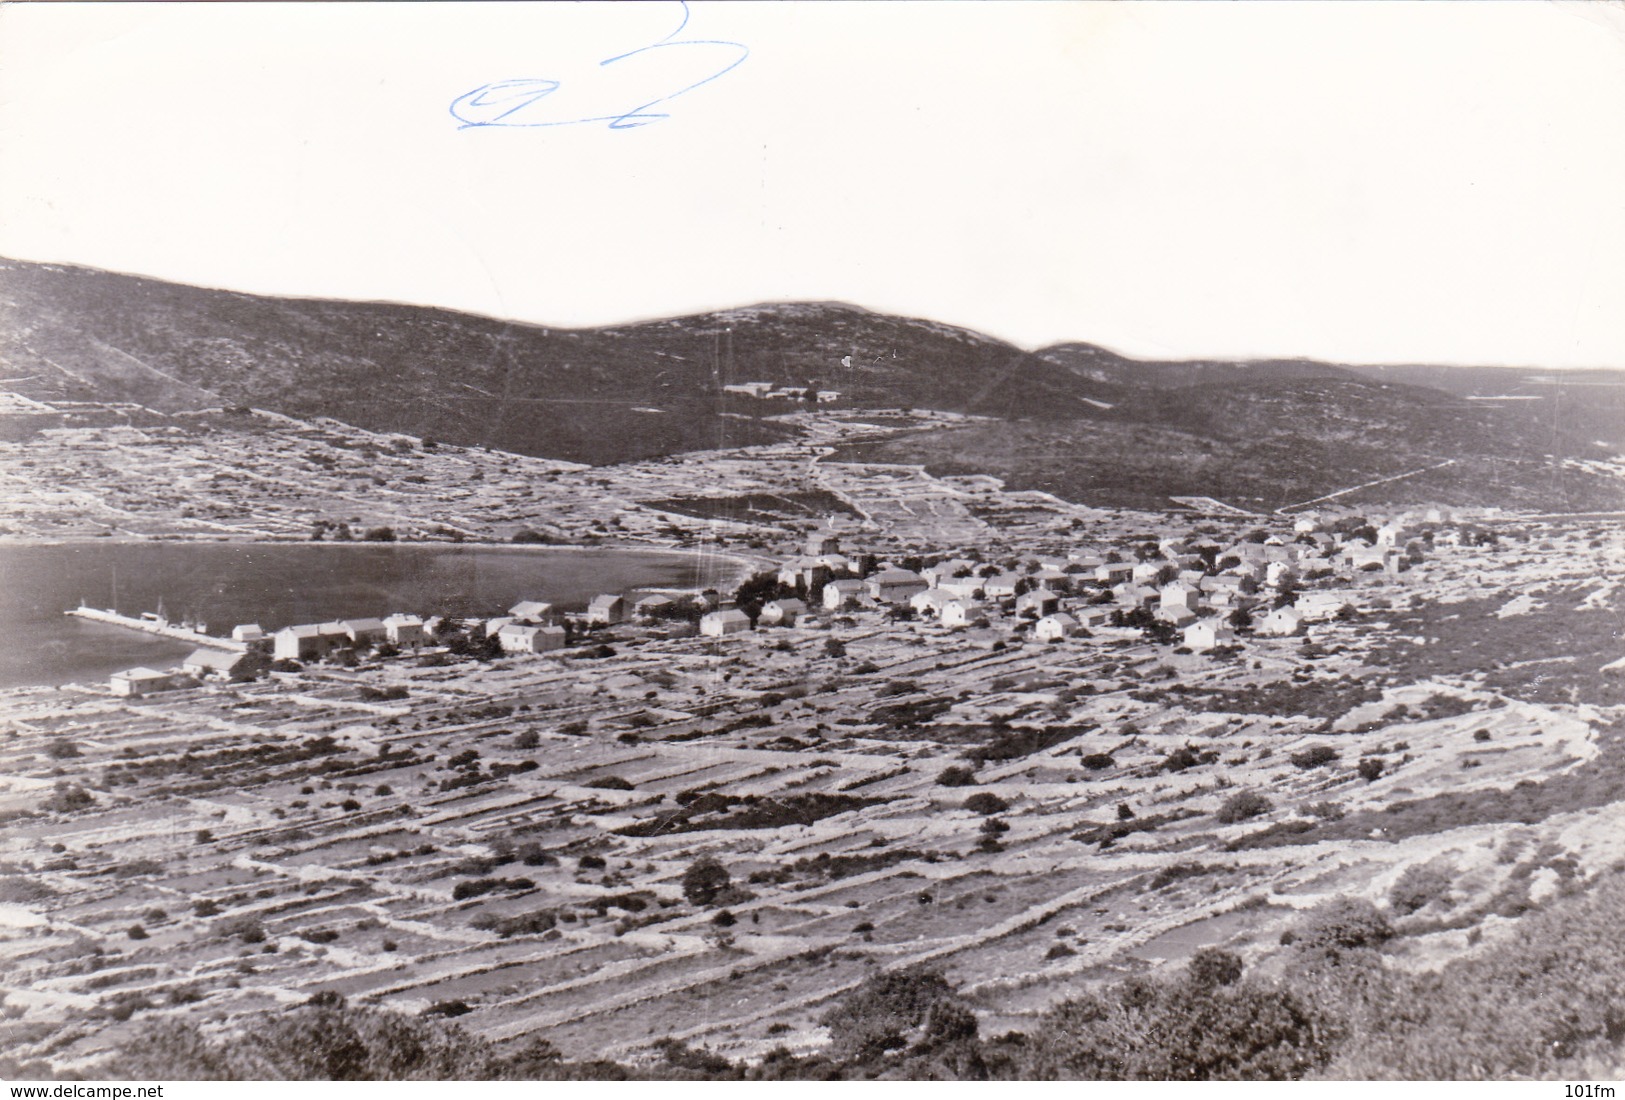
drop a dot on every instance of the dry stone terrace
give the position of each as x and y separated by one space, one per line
86 469
509 840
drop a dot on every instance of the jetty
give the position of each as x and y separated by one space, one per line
162 629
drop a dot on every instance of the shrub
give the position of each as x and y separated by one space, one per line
1370 768
1188 756
986 802
1212 966
1314 757
1096 761
1343 924
956 776
1243 807
136 932
68 797
246 928
1195 1028
521 924
1419 886
880 1014
529 739
610 783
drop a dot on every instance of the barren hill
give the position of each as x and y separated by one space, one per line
1078 420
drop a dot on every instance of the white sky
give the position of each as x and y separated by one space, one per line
1379 182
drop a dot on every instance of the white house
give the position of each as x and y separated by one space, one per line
1391 534
360 631
719 624
530 638
1114 572
1178 594
1092 617
532 611
838 564
1279 573
1134 595
1052 628
782 612
1205 634
929 602
141 681
404 630
965 588
821 542
219 663
1001 587
806 572
607 608
308 641
1038 602
1317 606
946 571
247 632
1179 616
1281 622
960 613
652 606
842 594
1146 571
894 585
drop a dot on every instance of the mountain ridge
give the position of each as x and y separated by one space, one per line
644 389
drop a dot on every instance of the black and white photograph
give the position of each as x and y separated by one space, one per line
811 541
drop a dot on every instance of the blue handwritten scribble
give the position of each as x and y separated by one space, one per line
515 102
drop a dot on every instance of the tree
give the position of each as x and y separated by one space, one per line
705 881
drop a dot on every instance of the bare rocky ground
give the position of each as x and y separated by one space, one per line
508 841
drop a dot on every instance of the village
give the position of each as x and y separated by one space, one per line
1032 744
1200 593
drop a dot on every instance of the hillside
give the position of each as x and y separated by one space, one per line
1101 365
1275 445
601 395
1079 421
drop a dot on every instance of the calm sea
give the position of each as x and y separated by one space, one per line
279 584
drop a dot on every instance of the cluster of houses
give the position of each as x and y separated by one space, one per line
772 390
1201 588
1195 587
529 627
